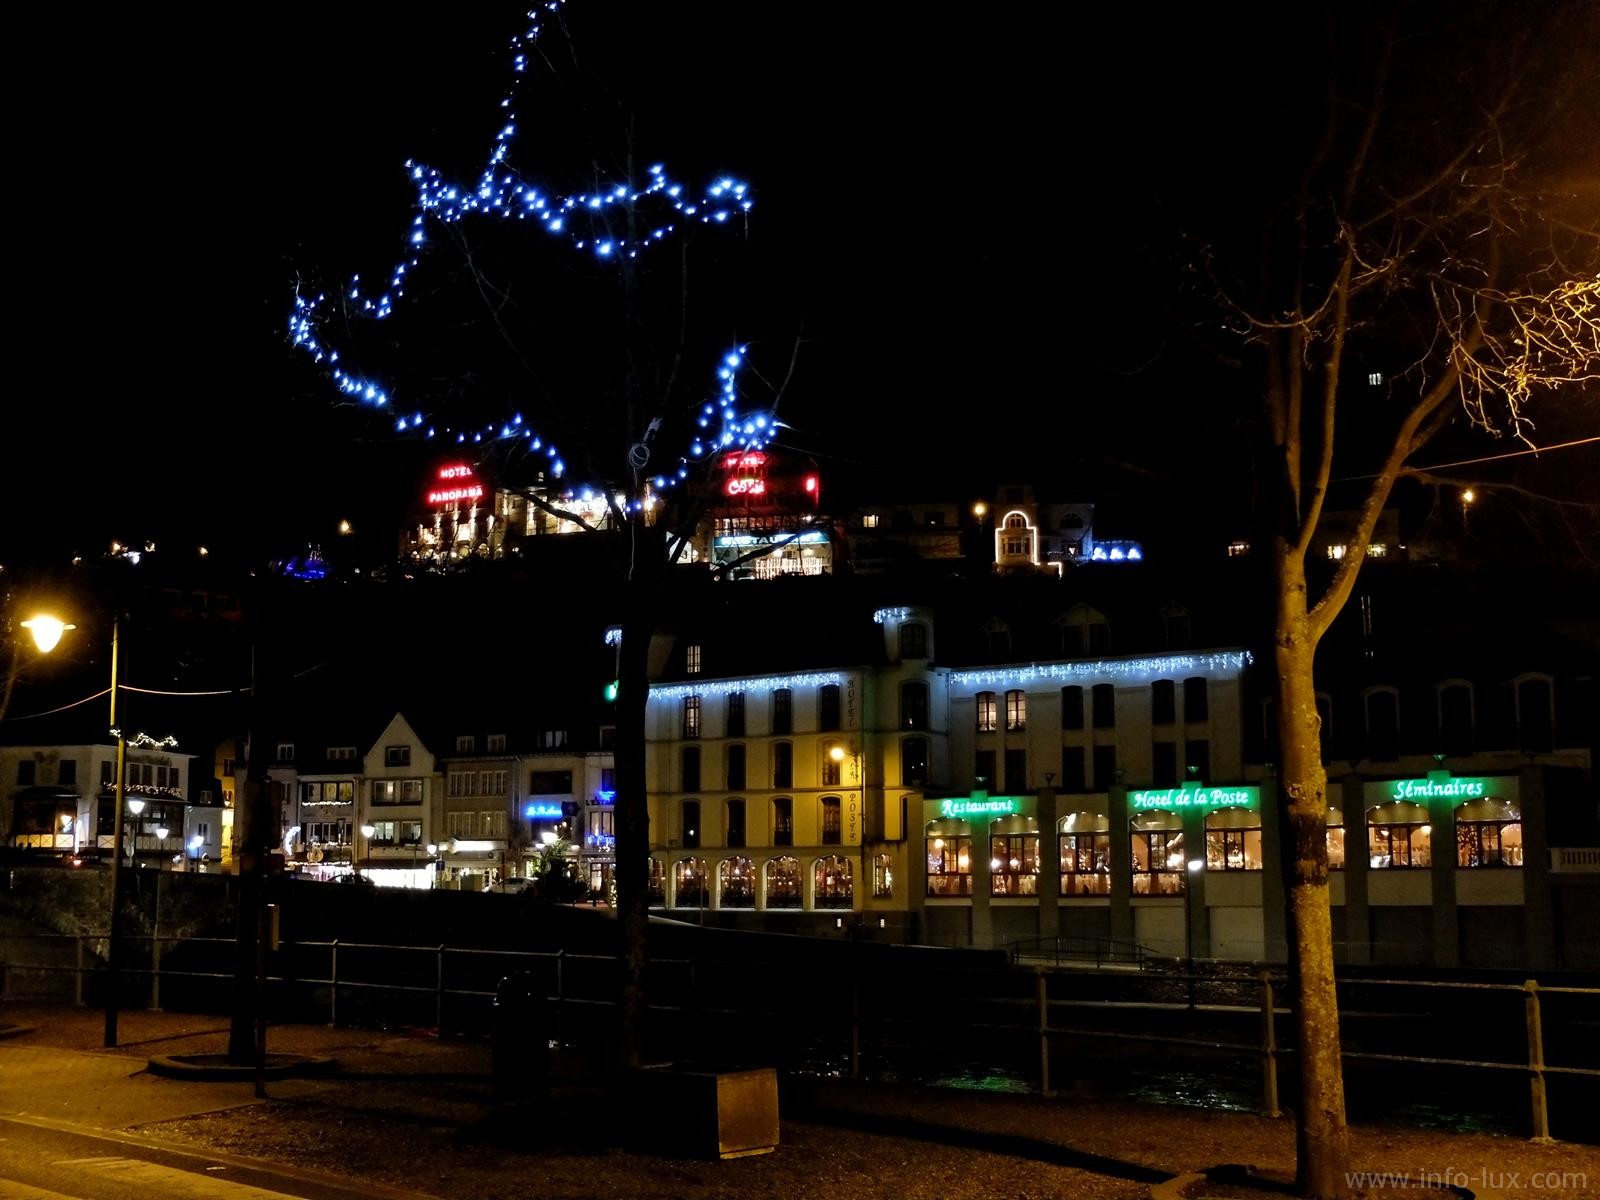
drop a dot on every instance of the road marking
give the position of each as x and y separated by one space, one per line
170 1181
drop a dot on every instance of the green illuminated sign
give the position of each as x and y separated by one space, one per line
1195 796
1427 789
988 806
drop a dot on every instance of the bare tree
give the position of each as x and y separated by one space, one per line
1430 249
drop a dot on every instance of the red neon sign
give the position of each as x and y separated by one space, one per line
463 485
746 487
744 458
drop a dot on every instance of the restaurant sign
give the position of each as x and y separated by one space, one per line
1196 796
979 806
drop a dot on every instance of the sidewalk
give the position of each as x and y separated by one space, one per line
409 1110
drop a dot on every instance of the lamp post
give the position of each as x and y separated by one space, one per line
1196 865
47 631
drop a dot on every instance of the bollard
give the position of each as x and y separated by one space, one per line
855 1029
1269 1051
1042 991
438 994
1536 1093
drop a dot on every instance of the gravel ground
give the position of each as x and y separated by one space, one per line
411 1110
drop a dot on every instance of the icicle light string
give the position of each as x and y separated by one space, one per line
580 220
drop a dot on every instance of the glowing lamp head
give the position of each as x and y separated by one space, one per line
837 754
1196 865
161 832
1468 496
980 510
136 806
47 631
368 830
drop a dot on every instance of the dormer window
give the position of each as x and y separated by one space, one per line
466 744
496 743
285 751
691 659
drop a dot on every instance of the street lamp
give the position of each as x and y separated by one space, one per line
47 631
1196 865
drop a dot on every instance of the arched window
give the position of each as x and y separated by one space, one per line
737 879
831 883
1016 521
783 764
689 777
832 770
949 845
1536 714
1335 840
1488 834
691 716
783 882
735 715
828 707
1072 707
1014 857
689 883
691 823
1399 835
1233 840
914 761
1085 841
1383 724
913 705
830 820
1159 867
735 829
735 762
1163 702
987 713
913 640
998 634
883 877
1455 718
658 894
782 821
1016 710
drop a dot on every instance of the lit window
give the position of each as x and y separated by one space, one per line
949 846
689 883
691 659
1374 378
832 884
830 821
1377 550
1336 551
1488 834
1016 710
691 716
783 882
1014 864
1399 835
1238 549
737 879
1233 840
1335 840
783 821
986 712
869 521
285 751
1159 866
883 877
497 743
1085 843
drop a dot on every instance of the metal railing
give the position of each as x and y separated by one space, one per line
450 988
1061 950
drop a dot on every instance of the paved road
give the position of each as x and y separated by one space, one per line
42 1159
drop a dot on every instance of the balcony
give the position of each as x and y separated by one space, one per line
1575 860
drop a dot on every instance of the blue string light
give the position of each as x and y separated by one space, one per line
581 221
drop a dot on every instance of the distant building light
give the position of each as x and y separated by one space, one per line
1377 550
1375 379
1238 549
1336 551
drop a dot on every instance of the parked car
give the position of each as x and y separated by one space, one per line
357 878
517 885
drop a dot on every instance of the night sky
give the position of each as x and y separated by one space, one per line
968 215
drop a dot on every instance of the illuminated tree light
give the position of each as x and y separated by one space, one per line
581 221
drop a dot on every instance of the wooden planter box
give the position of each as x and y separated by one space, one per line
705 1112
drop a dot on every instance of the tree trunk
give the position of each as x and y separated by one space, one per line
632 809
1322 1141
